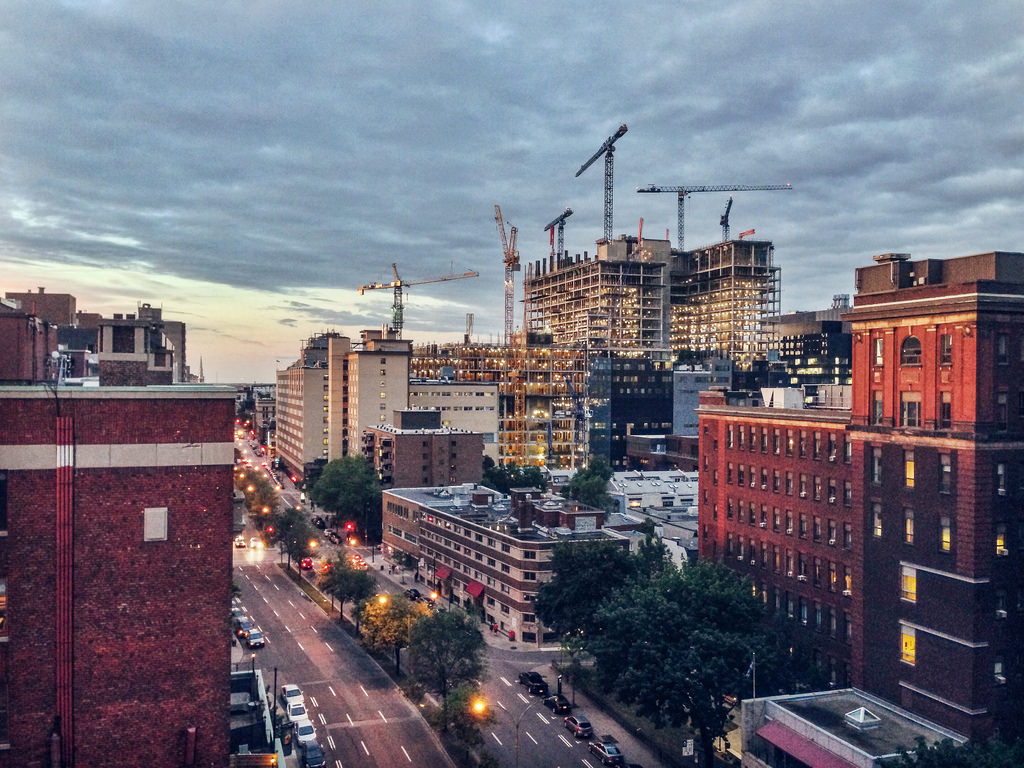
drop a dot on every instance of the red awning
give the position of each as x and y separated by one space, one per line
475 588
795 745
443 572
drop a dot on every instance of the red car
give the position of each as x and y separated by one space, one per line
306 563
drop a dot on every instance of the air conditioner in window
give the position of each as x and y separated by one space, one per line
1001 491
831 499
1000 614
1002 551
764 486
753 561
832 457
790 574
801 577
831 542
847 593
1000 679
764 524
804 622
803 494
789 531
739 557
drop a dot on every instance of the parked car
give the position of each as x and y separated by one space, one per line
312 755
534 683
306 563
558 704
239 542
254 639
413 594
243 626
297 712
608 753
305 732
319 522
291 694
580 726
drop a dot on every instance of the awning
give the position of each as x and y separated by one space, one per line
795 745
443 572
475 588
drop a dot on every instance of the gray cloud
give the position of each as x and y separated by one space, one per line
293 146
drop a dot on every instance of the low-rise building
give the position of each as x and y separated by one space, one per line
486 551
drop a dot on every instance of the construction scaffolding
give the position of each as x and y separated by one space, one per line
617 300
722 296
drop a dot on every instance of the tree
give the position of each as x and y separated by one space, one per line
345 583
947 754
507 476
348 488
446 650
585 573
387 623
261 496
677 646
462 713
652 553
590 485
293 530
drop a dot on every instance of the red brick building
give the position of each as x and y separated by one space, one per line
26 342
115 576
933 451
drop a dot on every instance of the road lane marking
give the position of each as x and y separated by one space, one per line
323 720
349 718
531 737
313 701
266 601
523 698
363 745
503 706
565 741
364 691
300 645
291 603
542 718
301 616
314 629
586 762
276 613
382 716
288 628
267 577
506 682
406 754
332 651
329 687
497 739
277 587
337 764
330 741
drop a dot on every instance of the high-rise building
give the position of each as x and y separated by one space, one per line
115 575
918 489
814 348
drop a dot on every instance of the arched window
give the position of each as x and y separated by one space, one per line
910 351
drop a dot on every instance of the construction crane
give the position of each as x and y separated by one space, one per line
724 221
608 150
508 248
559 223
398 284
682 192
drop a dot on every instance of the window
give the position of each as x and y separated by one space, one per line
1002 348
909 644
908 525
817 488
803 443
1002 410
529 554
776 442
803 525
908 469
1001 540
997 670
816 529
847 452
728 436
3 500
789 483
908 583
910 351
847 493
789 442
876 520
945 473
910 409
817 445
946 349
3 608
945 410
877 407
1001 479
876 465
879 351
847 536
945 534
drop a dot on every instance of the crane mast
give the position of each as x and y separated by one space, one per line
724 221
683 191
558 224
511 255
398 284
608 150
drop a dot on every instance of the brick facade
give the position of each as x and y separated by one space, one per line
148 629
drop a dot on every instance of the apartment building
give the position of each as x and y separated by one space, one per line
918 487
463 405
488 552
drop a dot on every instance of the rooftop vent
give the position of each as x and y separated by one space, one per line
862 719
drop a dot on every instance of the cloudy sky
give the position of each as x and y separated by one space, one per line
247 165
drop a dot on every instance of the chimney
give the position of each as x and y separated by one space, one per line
42 288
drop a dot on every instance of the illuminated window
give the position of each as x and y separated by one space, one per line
876 520
3 607
908 641
908 469
1001 539
908 525
908 582
945 534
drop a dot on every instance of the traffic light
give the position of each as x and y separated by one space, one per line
270 529
350 526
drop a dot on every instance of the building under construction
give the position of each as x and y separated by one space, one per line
722 297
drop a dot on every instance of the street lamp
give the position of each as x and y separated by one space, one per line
520 720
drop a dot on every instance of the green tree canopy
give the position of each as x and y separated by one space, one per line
388 620
947 754
293 530
261 496
503 478
585 574
345 583
590 485
446 650
348 488
676 646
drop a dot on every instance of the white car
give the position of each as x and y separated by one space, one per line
291 694
297 712
304 732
